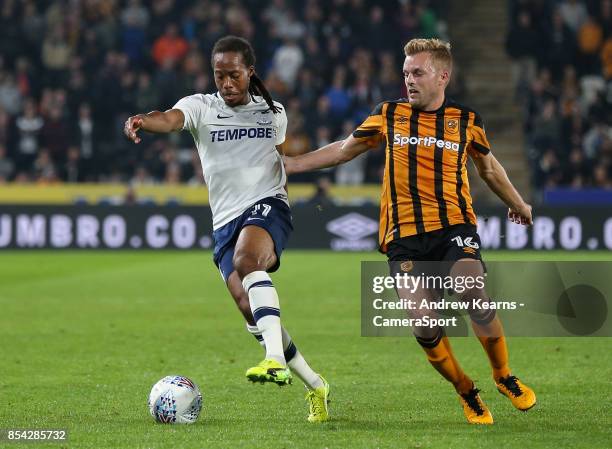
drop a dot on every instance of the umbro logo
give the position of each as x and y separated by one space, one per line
402 119
224 116
352 226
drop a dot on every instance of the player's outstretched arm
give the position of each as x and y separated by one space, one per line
330 155
492 172
155 122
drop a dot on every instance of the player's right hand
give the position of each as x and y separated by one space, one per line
521 215
131 127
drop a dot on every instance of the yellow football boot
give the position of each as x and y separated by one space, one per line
269 370
475 410
521 396
318 400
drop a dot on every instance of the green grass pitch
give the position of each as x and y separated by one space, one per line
85 335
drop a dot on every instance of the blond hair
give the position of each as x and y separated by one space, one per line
439 50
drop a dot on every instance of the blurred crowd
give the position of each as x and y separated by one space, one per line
72 71
562 53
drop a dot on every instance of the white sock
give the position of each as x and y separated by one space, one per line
298 364
266 311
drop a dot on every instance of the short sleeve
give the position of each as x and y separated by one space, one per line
479 144
281 118
372 125
193 108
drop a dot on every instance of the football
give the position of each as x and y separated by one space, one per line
175 400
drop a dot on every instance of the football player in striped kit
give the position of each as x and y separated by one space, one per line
426 210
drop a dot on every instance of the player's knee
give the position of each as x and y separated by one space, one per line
247 262
482 316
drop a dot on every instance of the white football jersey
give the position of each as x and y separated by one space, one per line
237 148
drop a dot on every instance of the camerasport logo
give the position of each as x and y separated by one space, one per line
354 230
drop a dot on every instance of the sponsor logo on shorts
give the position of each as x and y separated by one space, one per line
407 266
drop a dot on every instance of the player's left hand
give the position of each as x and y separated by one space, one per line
521 215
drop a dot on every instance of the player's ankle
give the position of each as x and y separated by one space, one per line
501 374
464 385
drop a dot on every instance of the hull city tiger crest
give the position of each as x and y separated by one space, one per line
407 266
451 126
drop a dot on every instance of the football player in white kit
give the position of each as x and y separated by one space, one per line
236 131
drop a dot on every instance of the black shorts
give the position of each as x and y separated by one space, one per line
455 242
434 252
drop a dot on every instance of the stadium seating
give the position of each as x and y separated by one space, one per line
83 69
563 85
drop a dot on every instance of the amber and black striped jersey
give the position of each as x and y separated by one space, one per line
425 185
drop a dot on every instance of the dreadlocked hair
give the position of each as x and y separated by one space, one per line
239 45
